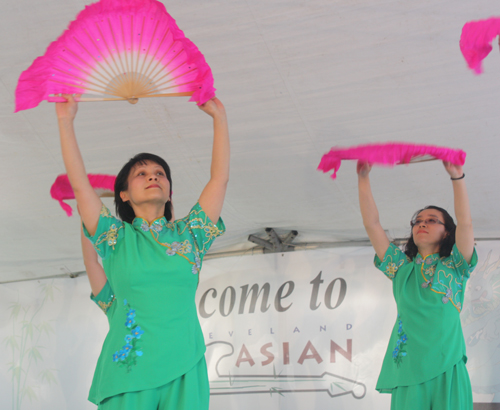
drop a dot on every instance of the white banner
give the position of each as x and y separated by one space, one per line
296 330
300 330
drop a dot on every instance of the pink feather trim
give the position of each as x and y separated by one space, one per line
388 154
475 41
37 82
61 188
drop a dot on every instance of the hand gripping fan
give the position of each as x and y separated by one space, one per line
104 185
389 154
118 50
475 41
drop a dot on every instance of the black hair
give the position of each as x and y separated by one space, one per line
447 242
123 209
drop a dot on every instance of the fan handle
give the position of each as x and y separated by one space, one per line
131 100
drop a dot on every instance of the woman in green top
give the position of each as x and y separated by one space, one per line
424 366
153 355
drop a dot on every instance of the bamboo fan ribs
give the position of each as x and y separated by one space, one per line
118 50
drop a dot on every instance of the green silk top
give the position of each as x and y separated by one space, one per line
427 338
152 270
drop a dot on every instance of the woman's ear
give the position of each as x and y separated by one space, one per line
124 196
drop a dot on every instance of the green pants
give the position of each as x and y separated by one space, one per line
188 392
449 391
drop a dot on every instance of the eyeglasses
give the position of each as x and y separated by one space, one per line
428 221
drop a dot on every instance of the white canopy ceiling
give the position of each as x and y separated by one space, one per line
296 77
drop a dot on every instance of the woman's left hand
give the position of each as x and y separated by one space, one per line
455 171
213 107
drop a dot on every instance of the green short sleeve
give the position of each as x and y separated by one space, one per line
108 233
202 229
394 258
463 268
105 298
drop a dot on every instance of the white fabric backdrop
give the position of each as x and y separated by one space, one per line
315 337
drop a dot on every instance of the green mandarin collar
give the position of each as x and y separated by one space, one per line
157 225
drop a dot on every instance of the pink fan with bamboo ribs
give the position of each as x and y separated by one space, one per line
475 41
61 189
389 154
118 50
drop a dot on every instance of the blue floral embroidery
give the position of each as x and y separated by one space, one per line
128 354
137 332
398 353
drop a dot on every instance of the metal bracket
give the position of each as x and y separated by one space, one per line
275 243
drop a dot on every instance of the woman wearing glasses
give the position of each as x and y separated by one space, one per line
424 366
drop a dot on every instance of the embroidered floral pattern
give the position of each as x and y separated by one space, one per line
430 270
108 234
428 275
211 231
197 265
393 260
439 281
109 237
179 247
105 298
200 228
399 351
105 212
196 222
105 306
391 270
197 227
156 226
129 353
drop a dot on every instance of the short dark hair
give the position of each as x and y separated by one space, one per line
123 209
446 245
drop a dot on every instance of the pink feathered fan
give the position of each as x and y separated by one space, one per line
118 50
61 189
475 41
389 154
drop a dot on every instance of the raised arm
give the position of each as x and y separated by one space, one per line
95 272
464 235
369 211
86 198
212 197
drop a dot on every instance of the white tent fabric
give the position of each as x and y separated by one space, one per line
297 77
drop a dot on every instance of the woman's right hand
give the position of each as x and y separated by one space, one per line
68 109
363 168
